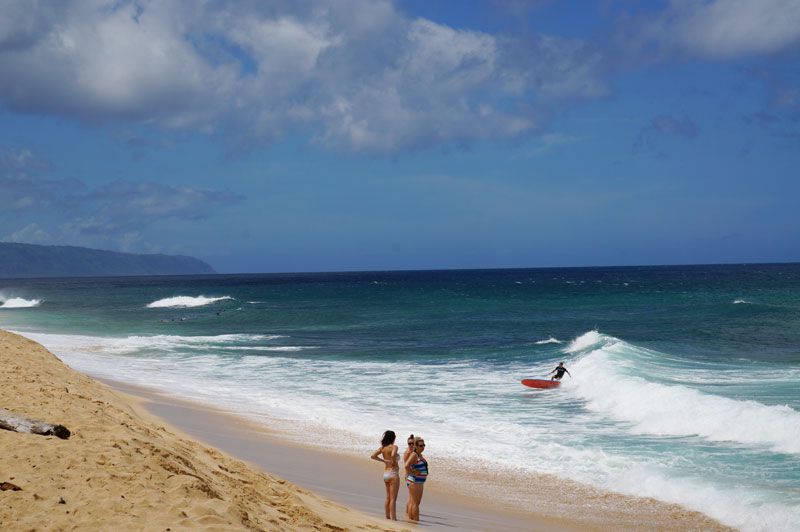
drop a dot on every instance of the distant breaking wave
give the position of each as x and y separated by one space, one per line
185 301
740 301
550 340
18 302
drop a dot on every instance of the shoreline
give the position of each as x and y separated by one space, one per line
450 501
341 478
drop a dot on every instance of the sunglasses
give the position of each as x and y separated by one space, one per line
411 443
420 445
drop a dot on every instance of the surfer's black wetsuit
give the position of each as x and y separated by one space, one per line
559 373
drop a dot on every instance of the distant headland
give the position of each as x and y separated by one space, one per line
31 260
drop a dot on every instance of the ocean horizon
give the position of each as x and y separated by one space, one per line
684 387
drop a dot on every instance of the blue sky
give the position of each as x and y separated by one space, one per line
273 136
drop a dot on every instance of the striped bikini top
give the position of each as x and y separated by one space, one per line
420 468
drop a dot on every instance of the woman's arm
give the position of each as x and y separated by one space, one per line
375 456
410 460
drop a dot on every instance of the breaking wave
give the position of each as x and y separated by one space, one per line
18 302
632 384
185 301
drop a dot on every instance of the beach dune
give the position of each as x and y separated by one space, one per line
121 469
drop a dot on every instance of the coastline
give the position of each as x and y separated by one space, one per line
344 479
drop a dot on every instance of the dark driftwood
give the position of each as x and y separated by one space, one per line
15 423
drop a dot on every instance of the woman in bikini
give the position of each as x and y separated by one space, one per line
387 454
406 454
417 468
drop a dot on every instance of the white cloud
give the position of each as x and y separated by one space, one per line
101 61
727 29
30 234
358 74
447 85
426 95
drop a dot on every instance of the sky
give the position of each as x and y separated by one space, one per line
342 135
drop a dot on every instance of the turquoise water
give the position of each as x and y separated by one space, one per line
685 380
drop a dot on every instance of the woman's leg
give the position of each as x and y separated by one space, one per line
414 500
408 500
387 485
393 488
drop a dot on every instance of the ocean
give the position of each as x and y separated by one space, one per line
685 381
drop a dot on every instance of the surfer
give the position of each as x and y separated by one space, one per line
559 372
417 468
387 454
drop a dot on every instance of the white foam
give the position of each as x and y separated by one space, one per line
605 380
741 301
18 302
585 341
136 344
285 348
550 340
735 506
185 301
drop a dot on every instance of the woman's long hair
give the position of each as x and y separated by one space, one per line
388 438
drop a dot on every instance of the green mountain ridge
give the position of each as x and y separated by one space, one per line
31 260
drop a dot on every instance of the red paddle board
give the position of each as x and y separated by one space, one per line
540 383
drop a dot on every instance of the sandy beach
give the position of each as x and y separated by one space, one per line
126 468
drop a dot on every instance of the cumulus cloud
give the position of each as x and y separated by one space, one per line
99 62
427 95
719 29
359 75
34 207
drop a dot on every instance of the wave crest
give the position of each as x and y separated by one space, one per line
586 341
18 302
185 301
550 340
